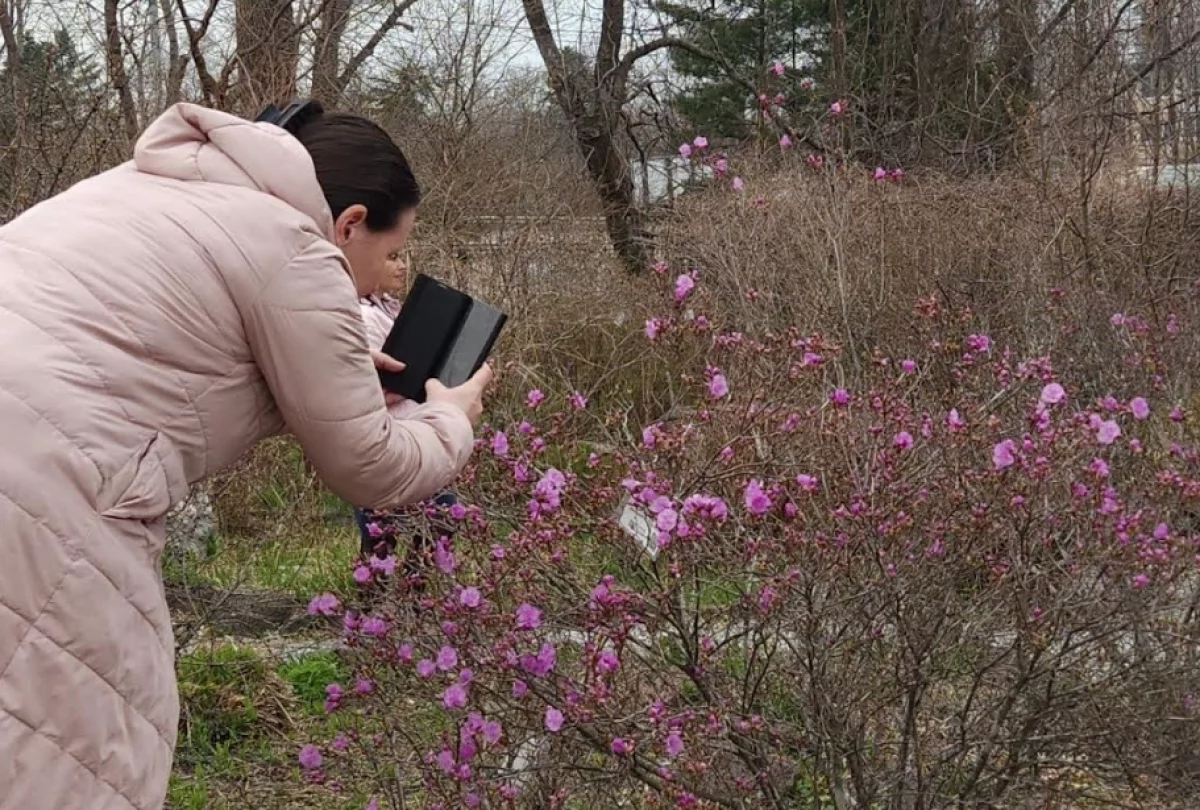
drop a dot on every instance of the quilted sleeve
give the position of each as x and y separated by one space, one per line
306 335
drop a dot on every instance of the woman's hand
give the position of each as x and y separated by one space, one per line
385 362
467 397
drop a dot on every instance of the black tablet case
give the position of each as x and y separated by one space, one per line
441 333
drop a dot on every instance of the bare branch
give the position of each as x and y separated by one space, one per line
365 53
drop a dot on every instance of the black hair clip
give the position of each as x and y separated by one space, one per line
293 116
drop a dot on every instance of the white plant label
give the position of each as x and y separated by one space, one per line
639 526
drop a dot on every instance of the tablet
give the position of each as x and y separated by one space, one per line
441 333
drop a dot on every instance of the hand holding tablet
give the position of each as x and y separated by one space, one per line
443 337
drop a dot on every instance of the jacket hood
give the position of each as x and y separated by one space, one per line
190 142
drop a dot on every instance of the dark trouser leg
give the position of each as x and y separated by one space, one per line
369 544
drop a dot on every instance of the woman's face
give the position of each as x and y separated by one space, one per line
375 257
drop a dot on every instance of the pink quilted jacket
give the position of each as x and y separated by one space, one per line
157 320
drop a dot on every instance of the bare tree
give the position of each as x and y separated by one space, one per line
592 92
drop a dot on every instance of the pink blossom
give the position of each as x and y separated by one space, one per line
650 436
684 284
738 184
718 386
808 483
607 661
362 574
500 444
543 663
785 141
700 142
902 440
837 108
548 490
426 668
534 398
470 597
1003 454
340 742
685 150
653 326
807 83
577 400
373 626
385 566
620 746
1052 394
455 696
553 719
310 757
709 507
1140 580
363 685
443 558
491 732
405 652
528 617
1099 468
519 688
325 604
1139 408
674 745
447 658
1108 432
758 502
880 173
840 397
1177 414
372 804
721 166
979 343
954 421
776 68
908 366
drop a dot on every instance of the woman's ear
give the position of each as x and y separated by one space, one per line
348 223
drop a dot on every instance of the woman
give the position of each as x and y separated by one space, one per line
158 320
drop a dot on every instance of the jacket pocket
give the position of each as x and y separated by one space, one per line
148 485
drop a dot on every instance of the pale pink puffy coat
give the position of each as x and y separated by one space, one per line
156 321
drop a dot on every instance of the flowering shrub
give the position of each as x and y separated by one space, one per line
821 578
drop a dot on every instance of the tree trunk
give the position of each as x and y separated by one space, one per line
1018 32
326 51
268 49
116 69
177 61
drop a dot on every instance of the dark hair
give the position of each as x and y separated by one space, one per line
358 163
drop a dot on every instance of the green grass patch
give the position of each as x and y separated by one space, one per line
308 676
303 564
